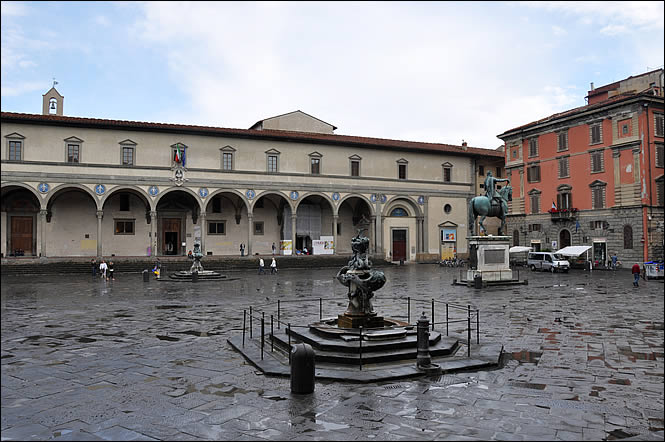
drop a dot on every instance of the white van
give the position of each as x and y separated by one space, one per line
547 261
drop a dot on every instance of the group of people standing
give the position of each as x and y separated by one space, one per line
105 269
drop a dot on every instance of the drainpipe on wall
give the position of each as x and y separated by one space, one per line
645 230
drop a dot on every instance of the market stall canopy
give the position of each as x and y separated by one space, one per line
519 249
572 250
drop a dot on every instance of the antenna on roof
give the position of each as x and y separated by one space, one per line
54 82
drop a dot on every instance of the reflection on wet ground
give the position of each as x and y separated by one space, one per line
87 359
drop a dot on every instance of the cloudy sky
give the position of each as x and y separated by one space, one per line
422 71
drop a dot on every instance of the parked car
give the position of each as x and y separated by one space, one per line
547 261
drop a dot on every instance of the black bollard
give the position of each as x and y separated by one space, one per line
195 276
146 276
302 369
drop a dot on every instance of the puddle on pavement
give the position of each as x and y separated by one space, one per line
167 338
524 356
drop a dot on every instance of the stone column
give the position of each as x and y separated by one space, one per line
250 233
379 227
42 228
419 233
153 232
373 227
294 219
334 226
100 215
202 223
616 155
425 248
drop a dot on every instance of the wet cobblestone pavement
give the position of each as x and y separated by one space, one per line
85 359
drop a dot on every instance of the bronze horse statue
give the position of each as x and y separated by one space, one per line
481 206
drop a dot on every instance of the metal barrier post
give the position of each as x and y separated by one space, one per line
278 321
244 321
432 314
250 322
288 332
408 309
477 326
263 319
320 309
361 348
468 339
446 319
272 335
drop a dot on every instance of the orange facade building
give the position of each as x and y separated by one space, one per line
593 175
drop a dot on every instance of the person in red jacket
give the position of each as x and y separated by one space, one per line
636 275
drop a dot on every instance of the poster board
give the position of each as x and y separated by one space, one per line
323 246
285 247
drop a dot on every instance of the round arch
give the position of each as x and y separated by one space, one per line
8 187
401 201
137 191
65 187
182 189
240 195
359 196
322 195
268 193
564 238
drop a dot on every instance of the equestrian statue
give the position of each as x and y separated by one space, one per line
492 204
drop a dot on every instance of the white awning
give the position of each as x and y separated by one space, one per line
519 249
572 250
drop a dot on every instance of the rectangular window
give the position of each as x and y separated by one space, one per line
401 171
124 202
124 227
597 161
447 174
533 173
258 228
660 192
227 161
598 197
562 141
597 225
658 125
481 170
659 155
533 147
73 151
535 204
595 134
217 227
534 227
355 168
315 166
272 163
127 156
564 201
563 167
15 150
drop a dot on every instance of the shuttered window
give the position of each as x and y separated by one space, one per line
627 237
563 167
659 155
598 197
533 173
595 134
658 125
533 147
597 163
562 139
535 203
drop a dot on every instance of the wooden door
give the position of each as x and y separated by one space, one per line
21 239
171 236
399 245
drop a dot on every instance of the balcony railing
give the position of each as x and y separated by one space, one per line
563 214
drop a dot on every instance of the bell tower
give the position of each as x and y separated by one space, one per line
52 101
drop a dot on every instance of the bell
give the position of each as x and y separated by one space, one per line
53 105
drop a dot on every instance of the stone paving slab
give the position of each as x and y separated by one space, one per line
85 359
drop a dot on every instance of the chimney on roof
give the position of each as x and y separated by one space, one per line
592 85
464 144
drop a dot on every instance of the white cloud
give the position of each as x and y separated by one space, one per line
16 89
614 30
12 9
559 31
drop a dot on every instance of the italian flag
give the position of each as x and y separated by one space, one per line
177 155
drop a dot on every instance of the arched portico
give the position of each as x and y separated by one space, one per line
177 212
72 211
315 221
403 227
223 229
270 221
19 225
127 223
355 212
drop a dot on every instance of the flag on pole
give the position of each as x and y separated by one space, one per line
577 226
553 205
176 155
184 152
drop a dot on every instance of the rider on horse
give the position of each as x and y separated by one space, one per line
490 186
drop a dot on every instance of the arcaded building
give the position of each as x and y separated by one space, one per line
84 187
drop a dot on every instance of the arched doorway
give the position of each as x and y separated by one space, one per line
314 223
20 207
564 239
178 222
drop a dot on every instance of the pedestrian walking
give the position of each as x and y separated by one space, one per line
261 265
93 262
111 276
636 275
614 261
102 269
273 249
242 249
273 266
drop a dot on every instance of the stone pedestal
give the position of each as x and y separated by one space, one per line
354 321
491 260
